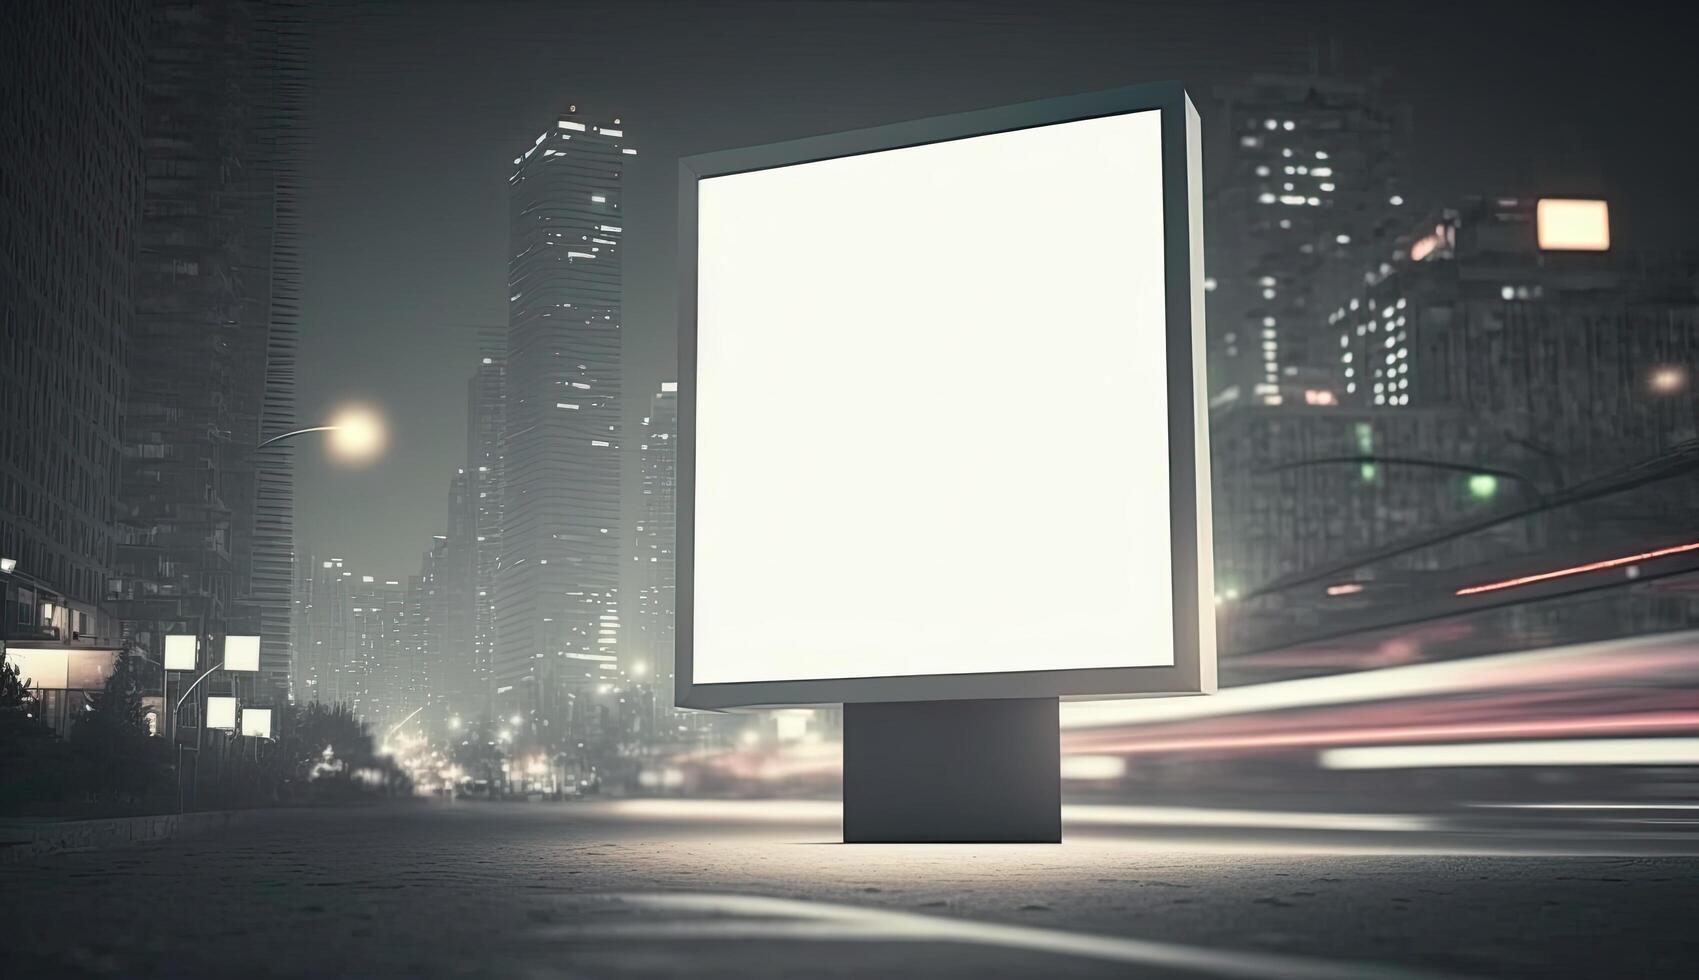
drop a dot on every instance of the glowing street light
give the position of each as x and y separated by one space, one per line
357 434
1667 379
1483 486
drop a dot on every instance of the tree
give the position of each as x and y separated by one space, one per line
20 716
120 759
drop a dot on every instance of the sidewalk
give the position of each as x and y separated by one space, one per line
23 838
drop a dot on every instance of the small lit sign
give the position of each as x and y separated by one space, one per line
242 653
180 651
1573 225
221 712
256 722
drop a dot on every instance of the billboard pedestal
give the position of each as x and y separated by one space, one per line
953 771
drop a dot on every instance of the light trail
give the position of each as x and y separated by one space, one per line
1680 721
1545 666
1567 752
1512 583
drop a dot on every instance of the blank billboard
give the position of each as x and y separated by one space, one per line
932 406
220 712
180 651
242 653
256 722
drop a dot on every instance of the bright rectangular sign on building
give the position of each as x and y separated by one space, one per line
942 410
242 653
1573 225
180 651
220 712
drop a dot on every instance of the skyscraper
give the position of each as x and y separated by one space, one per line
358 643
485 427
1579 349
70 201
657 539
557 604
207 517
441 609
1306 186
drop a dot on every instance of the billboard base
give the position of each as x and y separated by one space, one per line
953 772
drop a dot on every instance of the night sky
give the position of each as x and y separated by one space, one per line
417 110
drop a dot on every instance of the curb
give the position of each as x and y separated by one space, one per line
23 842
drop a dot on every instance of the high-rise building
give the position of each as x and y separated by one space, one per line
323 671
485 427
1305 186
378 637
656 540
70 201
206 515
441 608
358 642
1569 345
557 602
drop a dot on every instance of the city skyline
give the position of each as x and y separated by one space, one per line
1258 438
413 255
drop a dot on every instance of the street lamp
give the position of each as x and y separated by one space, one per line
241 655
1667 379
357 434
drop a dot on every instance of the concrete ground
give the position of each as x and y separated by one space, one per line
701 889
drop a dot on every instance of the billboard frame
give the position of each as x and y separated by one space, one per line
1194 667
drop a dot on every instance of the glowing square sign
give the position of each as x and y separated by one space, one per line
242 653
1573 225
221 712
256 722
942 412
180 651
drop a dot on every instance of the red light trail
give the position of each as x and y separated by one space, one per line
1512 583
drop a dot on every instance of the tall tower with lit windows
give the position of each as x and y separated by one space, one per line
1306 191
557 617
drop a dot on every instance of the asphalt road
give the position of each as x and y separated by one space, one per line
755 890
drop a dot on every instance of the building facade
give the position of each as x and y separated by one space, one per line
486 426
556 590
71 186
1304 187
655 544
206 516
1584 354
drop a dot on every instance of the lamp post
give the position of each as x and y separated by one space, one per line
241 655
357 434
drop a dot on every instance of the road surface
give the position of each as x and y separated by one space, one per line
747 889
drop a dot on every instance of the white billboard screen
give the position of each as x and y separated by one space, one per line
220 712
242 653
256 722
180 651
931 410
